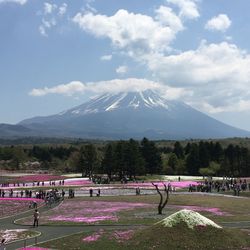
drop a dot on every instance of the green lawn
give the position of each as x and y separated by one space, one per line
158 237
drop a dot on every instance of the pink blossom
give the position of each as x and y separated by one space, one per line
11 206
84 219
121 236
33 248
39 177
94 237
179 184
90 211
213 210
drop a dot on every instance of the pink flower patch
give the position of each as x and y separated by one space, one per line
121 236
34 248
40 178
90 211
11 206
213 210
178 184
77 183
84 219
93 237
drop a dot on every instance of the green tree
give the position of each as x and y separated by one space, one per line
88 160
152 157
108 160
192 161
178 150
173 161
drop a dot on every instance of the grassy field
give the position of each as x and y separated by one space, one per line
122 209
156 237
141 210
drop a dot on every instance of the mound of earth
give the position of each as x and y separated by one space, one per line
190 218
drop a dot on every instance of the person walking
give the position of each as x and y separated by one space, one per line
36 218
3 245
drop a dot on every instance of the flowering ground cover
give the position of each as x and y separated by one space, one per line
119 236
32 181
155 237
17 234
89 212
176 184
11 206
39 177
213 210
33 248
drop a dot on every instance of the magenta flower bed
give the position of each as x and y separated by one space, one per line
118 235
89 211
122 236
178 184
11 206
93 237
77 183
213 210
33 248
40 178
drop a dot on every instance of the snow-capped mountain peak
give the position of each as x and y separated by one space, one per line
124 100
131 115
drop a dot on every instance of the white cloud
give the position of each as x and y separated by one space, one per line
65 89
112 86
46 25
123 69
49 8
166 16
218 75
219 23
62 9
42 30
51 14
22 2
188 8
106 58
135 32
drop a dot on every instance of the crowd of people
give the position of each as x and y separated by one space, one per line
227 184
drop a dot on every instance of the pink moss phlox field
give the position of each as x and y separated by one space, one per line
121 236
93 237
20 199
213 210
85 219
40 178
11 206
33 248
179 184
91 211
77 183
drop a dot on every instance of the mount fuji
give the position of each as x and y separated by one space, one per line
127 115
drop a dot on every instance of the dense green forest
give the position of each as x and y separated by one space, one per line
131 158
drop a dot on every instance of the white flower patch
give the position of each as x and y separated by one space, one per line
17 234
191 218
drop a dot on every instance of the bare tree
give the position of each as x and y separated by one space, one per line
161 203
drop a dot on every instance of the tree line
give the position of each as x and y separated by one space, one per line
132 158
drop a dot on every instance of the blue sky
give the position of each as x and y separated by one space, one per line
56 54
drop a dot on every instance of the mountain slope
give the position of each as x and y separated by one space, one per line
133 114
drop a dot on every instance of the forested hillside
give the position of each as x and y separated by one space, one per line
131 158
